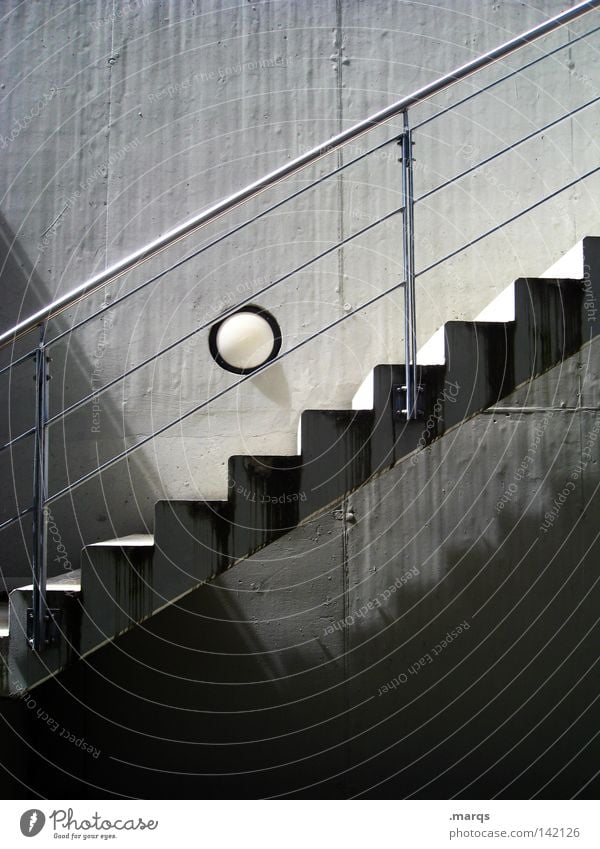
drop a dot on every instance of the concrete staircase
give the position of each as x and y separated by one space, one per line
466 367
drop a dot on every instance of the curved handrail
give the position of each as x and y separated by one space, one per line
156 246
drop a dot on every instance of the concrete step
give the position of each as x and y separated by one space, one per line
117 588
27 668
94 604
529 328
68 582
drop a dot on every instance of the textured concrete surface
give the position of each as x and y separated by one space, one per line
116 123
435 636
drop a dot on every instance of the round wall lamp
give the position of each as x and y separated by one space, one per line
245 340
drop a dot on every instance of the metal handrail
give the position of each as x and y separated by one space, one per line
288 198
217 240
42 497
155 247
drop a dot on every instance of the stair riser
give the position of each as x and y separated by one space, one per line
590 313
117 591
488 361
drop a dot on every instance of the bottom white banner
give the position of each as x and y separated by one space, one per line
292 824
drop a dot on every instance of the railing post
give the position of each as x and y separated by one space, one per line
408 239
40 494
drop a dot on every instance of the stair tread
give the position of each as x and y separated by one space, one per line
69 582
130 540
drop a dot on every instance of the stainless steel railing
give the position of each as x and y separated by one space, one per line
43 498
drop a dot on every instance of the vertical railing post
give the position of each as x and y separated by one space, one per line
40 495
408 238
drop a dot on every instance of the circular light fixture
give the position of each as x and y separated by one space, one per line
246 340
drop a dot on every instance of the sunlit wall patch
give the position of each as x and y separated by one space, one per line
245 340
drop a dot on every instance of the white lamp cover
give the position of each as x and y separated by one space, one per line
245 340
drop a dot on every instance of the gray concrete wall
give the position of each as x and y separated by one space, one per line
119 120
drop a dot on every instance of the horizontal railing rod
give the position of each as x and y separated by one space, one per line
507 221
502 79
18 438
16 518
506 149
217 240
99 391
123 454
28 356
213 212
